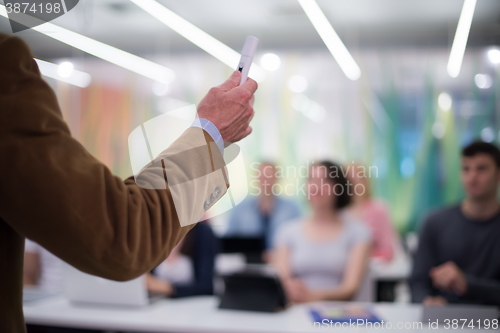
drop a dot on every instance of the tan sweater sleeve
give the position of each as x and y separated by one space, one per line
55 193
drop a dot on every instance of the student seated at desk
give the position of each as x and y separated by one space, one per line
323 256
189 269
458 256
372 212
41 268
261 215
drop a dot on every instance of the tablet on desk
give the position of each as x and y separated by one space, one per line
257 288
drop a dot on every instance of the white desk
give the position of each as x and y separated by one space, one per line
200 314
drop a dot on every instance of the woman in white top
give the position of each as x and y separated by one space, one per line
323 256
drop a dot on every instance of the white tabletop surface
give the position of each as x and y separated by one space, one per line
200 314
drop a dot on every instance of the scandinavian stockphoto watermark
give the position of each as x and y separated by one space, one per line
25 15
356 324
446 324
266 176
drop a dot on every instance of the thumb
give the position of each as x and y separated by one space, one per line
232 82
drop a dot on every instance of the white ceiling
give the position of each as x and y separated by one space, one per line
278 24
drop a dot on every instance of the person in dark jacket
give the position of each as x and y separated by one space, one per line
457 260
189 269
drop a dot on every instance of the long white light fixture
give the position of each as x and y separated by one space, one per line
461 36
331 39
197 36
74 77
106 52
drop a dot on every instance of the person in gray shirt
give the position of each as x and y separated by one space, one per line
324 256
458 256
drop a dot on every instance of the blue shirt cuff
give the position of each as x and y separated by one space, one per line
211 129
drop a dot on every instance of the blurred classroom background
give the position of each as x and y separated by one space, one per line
407 115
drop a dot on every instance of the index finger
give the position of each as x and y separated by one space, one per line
250 85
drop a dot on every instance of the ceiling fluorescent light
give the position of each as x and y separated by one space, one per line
197 36
106 52
331 39
461 36
77 78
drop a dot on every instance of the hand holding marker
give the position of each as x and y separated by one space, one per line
247 57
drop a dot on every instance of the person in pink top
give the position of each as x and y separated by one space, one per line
372 212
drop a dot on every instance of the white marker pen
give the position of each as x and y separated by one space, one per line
247 57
